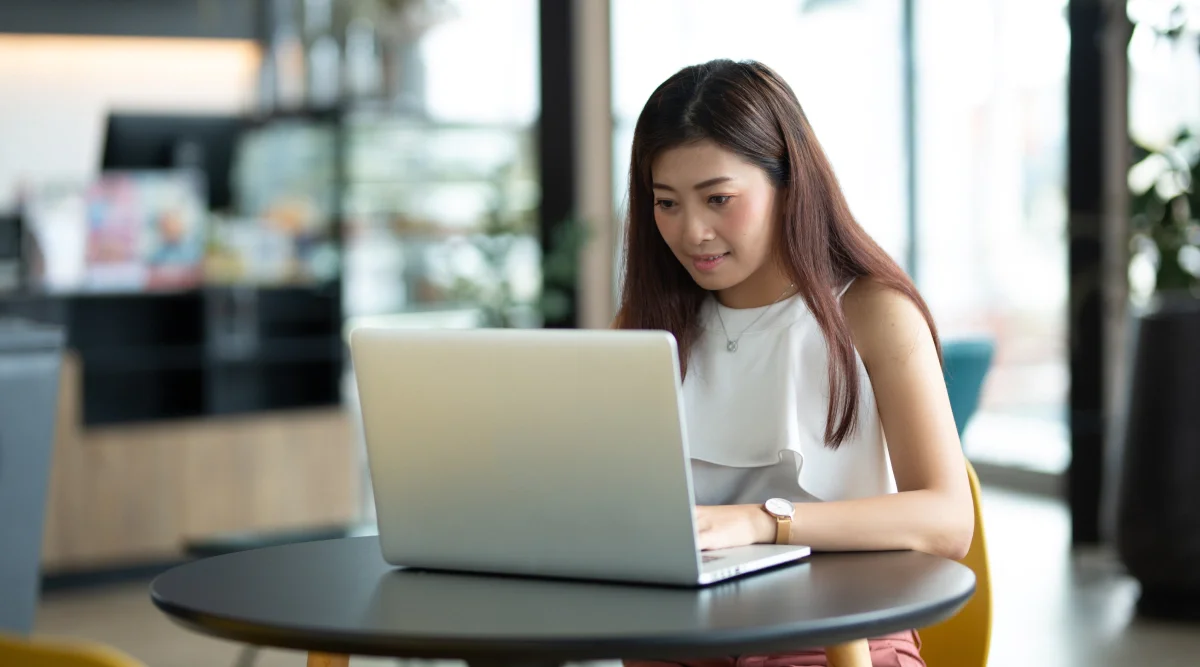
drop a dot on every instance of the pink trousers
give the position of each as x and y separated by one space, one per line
902 649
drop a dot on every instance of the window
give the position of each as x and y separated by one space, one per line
991 85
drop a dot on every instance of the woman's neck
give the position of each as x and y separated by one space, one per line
760 289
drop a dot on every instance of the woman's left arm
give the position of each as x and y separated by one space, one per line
932 512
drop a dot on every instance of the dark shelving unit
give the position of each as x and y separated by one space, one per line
212 351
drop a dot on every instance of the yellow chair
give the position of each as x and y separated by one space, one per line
45 652
964 639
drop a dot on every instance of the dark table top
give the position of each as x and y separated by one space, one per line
339 596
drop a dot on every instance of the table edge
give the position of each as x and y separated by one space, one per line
754 641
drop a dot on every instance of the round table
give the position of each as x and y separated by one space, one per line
338 597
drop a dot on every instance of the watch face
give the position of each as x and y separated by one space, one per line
780 507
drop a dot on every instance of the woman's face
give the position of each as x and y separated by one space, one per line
717 214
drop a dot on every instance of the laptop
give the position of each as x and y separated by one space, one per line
550 453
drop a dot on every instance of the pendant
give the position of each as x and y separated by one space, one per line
731 346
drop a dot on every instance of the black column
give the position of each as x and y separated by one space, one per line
1086 152
557 133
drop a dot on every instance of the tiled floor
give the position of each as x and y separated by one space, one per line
1053 609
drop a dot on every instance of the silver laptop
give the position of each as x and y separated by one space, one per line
558 453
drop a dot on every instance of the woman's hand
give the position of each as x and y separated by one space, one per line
722 526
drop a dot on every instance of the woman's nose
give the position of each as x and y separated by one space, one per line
696 230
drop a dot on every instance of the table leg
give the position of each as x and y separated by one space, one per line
247 656
851 654
327 660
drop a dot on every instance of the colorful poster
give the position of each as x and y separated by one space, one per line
173 231
113 227
145 231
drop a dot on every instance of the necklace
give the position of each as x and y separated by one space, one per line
731 344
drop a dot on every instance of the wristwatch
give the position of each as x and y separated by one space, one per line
783 511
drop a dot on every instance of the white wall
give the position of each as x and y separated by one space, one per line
55 92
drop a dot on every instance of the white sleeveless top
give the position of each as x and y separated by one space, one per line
756 417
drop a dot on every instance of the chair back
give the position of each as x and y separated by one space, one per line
965 366
44 652
964 639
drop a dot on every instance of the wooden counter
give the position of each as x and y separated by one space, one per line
125 495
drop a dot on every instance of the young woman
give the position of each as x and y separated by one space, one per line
812 368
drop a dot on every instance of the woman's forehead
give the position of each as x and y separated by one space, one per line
690 164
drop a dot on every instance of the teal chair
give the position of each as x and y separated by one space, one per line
965 364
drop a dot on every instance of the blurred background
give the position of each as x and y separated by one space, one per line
199 198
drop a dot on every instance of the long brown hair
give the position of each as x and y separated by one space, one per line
746 108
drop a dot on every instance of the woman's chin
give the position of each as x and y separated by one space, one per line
711 282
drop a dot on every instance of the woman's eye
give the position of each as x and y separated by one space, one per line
718 199
664 204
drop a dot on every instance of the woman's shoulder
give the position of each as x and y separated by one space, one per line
865 294
884 322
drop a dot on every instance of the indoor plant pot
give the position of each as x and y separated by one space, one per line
1158 512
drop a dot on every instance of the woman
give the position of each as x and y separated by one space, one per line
812 367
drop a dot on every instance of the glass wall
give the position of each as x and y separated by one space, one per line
991 86
443 186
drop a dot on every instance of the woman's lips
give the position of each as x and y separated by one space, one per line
708 262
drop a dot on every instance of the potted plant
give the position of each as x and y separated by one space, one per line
1158 508
1164 206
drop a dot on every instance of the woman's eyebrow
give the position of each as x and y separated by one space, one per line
699 186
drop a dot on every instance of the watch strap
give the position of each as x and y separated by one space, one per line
783 530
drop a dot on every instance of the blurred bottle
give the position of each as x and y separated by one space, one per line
323 57
362 68
287 51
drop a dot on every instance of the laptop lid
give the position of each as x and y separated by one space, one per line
537 452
